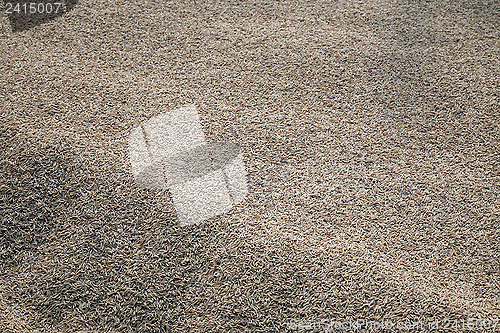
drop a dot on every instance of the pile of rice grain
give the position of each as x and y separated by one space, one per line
370 132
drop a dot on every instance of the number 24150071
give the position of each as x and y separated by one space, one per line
33 8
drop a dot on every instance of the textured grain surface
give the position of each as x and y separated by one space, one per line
370 131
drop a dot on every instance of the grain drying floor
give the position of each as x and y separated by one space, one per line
370 131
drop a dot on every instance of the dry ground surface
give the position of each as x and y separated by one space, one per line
370 131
